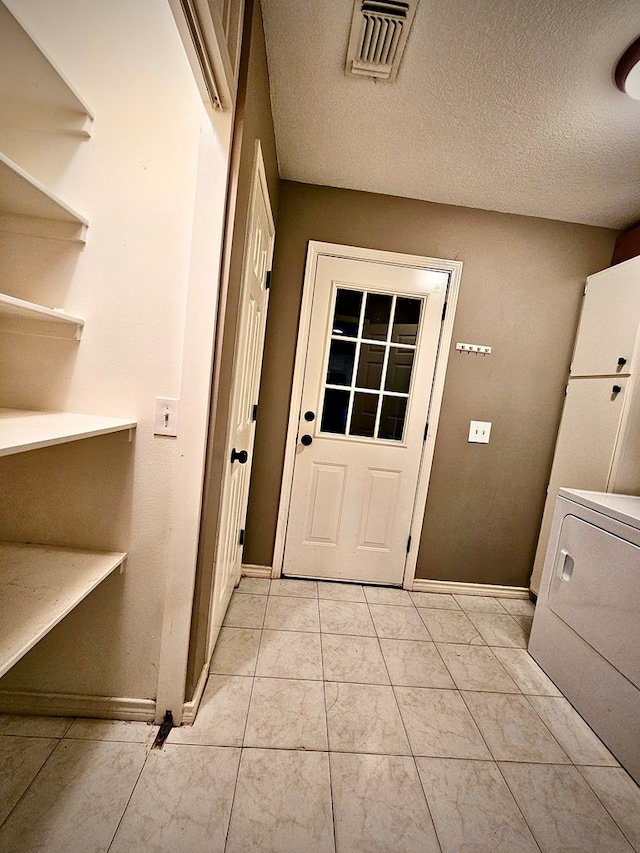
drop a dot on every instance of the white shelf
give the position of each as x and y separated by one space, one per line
18 315
34 93
28 207
22 430
39 586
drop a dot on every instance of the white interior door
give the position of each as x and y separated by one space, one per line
244 397
371 356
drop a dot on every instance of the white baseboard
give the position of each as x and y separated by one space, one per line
190 708
250 571
425 585
70 705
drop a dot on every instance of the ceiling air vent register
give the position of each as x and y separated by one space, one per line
379 31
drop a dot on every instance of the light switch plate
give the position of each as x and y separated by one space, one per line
166 416
479 432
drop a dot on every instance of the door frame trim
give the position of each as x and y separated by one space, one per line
315 250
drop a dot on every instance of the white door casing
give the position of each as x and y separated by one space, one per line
350 501
247 366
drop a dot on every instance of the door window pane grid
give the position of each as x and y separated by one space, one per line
371 412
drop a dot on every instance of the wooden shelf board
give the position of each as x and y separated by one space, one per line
33 89
39 586
28 207
22 430
40 319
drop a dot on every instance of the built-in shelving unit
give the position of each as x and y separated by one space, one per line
39 586
22 430
18 315
34 93
28 207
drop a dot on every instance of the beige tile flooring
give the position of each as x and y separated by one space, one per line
336 717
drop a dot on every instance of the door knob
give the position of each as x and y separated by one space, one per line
306 440
309 416
239 456
622 361
616 389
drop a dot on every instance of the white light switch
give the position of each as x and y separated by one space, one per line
479 432
166 416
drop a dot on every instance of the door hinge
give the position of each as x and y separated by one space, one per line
254 412
408 544
444 310
241 537
426 432
267 280
164 730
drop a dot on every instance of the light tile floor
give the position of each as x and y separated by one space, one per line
336 717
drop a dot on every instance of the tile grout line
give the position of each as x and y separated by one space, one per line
129 798
324 704
32 780
513 797
505 670
595 793
553 737
326 726
406 734
495 761
545 724
246 723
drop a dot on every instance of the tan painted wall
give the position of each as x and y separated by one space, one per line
253 121
521 290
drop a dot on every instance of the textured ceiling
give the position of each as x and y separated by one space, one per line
504 105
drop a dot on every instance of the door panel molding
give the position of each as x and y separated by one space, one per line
378 518
316 250
324 505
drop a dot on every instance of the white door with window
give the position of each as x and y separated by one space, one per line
374 335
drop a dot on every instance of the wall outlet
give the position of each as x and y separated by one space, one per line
166 416
479 432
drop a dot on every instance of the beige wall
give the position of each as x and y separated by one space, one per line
253 121
521 290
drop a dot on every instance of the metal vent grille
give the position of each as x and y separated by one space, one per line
379 30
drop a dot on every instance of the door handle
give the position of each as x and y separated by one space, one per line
309 416
616 389
622 361
239 456
565 565
306 440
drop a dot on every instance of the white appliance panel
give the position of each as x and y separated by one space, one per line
586 628
595 590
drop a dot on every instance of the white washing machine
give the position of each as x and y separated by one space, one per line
586 628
